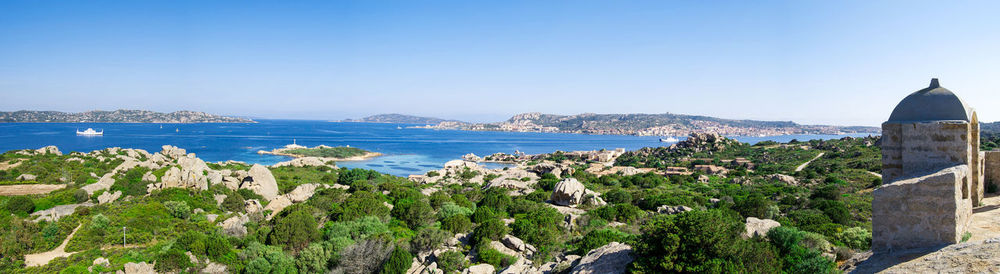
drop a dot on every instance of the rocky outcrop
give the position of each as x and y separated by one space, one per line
234 226
759 227
214 268
173 152
104 183
783 178
303 162
26 177
261 181
108 197
49 150
471 157
53 214
612 258
671 210
570 192
479 269
518 245
138 268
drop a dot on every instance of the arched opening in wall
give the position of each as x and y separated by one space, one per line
965 188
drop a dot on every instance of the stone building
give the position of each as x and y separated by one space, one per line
932 171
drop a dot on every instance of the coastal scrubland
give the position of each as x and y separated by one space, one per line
362 221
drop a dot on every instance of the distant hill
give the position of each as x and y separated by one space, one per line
117 116
990 128
399 119
665 124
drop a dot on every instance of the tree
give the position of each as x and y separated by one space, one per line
754 205
295 230
365 256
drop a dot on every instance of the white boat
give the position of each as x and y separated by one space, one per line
89 132
669 140
399 127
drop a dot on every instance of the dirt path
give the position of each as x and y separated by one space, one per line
804 165
14 190
44 258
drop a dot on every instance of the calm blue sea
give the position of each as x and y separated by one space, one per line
408 151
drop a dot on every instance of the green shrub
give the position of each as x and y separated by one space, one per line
173 259
451 209
20 205
452 261
216 246
398 263
700 241
489 230
81 196
295 230
542 228
457 224
361 204
753 206
234 202
617 196
315 258
599 238
493 257
415 213
359 229
428 239
178 209
483 214
99 222
619 212
856 238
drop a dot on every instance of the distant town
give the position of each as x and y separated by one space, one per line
666 124
117 116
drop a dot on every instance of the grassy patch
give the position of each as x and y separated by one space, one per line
328 152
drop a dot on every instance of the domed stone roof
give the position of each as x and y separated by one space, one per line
933 103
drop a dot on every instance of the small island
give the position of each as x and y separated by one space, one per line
327 153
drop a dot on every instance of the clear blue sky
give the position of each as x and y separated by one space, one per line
832 62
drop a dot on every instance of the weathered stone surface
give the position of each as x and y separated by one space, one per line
172 151
219 198
992 168
926 211
234 226
139 268
149 177
671 210
612 258
108 197
53 214
479 269
214 268
276 205
252 206
783 178
503 249
262 182
26 177
49 150
759 227
471 157
104 183
302 193
568 192
214 177
629 171
302 162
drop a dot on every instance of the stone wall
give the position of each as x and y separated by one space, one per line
992 168
912 149
925 211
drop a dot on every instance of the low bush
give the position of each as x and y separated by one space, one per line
20 205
